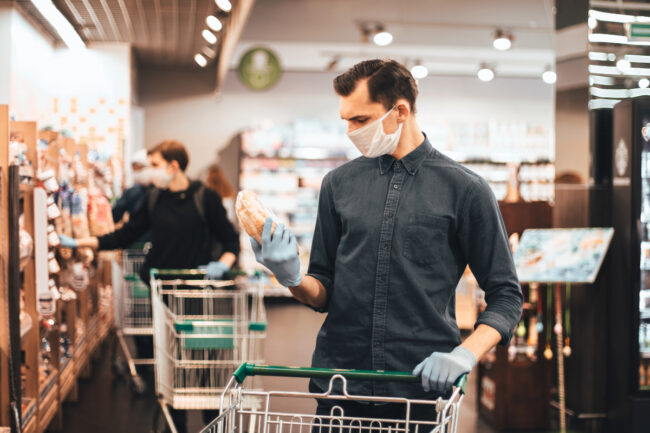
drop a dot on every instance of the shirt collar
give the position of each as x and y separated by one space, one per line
411 161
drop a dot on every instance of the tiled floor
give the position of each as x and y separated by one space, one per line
106 405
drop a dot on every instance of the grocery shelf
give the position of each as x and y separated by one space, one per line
28 412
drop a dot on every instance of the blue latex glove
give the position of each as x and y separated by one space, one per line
67 241
215 270
440 370
279 253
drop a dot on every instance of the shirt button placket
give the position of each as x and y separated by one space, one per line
383 267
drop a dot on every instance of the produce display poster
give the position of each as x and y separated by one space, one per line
561 255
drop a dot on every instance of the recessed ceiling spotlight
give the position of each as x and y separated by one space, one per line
549 76
214 23
209 36
201 60
644 83
485 73
381 37
224 5
623 65
419 71
502 41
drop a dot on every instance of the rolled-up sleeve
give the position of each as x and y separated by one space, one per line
327 235
484 242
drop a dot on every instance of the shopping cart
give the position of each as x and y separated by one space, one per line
132 302
235 418
203 331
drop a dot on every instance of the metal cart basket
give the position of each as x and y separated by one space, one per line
132 302
236 418
203 330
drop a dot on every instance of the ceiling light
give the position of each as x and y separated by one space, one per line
549 76
611 57
643 83
382 37
200 60
209 36
502 40
623 65
62 26
224 5
419 71
592 22
485 73
214 23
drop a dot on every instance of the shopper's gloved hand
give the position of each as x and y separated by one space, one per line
215 270
440 370
279 253
67 241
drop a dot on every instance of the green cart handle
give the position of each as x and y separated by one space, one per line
154 272
247 369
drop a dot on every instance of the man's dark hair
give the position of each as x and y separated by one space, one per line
171 150
388 81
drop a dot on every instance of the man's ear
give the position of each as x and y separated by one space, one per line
174 164
403 109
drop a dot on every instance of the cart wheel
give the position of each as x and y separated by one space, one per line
138 386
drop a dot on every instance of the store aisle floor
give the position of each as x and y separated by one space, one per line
106 404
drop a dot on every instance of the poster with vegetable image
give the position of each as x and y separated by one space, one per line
562 255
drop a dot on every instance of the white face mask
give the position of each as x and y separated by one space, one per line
372 141
160 178
142 176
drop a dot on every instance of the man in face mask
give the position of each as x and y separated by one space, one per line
182 226
395 230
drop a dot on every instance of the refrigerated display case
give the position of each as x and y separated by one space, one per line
629 300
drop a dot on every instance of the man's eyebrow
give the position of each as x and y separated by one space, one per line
358 117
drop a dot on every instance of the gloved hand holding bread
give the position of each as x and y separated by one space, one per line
274 245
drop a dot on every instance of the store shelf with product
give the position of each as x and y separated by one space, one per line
58 298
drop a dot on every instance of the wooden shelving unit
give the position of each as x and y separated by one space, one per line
42 395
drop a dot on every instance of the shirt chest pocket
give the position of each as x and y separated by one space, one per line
426 238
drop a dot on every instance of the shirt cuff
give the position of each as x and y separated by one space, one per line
498 322
327 283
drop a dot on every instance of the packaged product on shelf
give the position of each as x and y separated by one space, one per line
75 276
100 215
25 242
53 211
18 157
47 178
79 219
52 264
64 224
46 303
52 237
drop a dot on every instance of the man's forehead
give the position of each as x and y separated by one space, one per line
358 102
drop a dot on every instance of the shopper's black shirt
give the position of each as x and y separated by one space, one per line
392 240
131 199
178 232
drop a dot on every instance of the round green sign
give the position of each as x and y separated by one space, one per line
259 68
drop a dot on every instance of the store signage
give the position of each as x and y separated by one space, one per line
259 68
638 32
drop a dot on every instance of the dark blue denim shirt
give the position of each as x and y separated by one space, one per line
391 242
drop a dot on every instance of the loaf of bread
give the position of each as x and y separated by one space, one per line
251 214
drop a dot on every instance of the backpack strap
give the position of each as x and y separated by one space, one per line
199 202
152 198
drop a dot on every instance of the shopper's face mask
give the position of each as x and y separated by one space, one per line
142 176
372 141
162 176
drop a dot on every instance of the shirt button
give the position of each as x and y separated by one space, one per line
390 214
396 186
385 247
